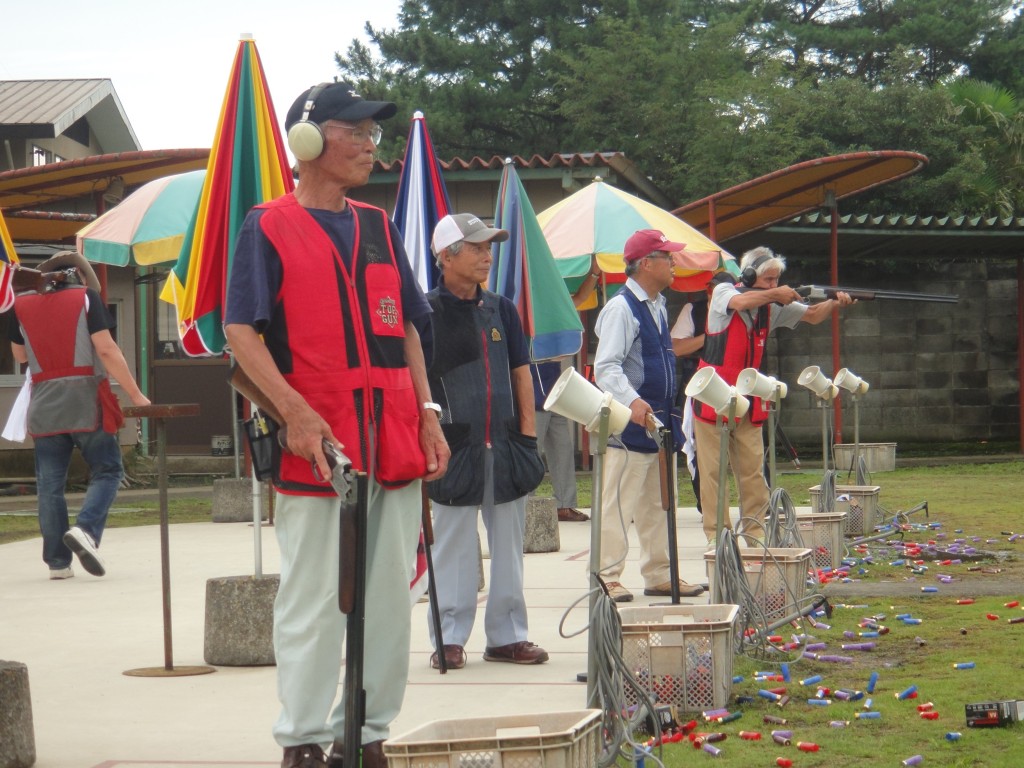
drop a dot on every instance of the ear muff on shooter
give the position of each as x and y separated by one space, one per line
306 138
749 274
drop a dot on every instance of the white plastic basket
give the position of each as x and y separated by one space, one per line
822 533
537 740
680 654
777 577
859 502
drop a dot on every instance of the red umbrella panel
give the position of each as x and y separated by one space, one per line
247 166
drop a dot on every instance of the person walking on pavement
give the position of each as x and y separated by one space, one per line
636 364
478 364
62 330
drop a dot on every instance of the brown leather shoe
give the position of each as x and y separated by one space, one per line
570 515
523 652
304 756
618 593
665 590
372 757
454 657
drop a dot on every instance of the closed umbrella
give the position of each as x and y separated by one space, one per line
525 272
422 201
148 227
7 258
599 219
247 166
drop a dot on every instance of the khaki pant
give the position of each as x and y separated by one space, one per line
631 495
746 458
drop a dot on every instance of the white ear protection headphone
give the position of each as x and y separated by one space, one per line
305 138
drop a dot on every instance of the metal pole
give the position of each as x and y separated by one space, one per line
257 523
600 447
165 544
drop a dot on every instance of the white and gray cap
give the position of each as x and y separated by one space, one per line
464 226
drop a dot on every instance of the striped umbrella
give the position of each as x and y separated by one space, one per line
524 271
600 218
422 201
247 166
7 258
147 227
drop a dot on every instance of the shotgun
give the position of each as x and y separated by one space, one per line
822 292
352 489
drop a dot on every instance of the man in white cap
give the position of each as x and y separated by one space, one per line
478 367
636 364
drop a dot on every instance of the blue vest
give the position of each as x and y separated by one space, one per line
658 387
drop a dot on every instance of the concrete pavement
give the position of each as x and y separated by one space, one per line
78 636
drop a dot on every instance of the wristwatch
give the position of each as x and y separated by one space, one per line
432 407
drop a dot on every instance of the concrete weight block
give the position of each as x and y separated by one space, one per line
232 500
239 630
17 734
541 525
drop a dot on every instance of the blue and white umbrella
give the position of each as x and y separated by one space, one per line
422 201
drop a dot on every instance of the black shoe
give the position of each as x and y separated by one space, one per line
304 756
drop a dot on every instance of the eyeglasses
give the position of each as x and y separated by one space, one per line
360 135
666 256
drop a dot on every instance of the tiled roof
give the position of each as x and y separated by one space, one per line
496 162
907 221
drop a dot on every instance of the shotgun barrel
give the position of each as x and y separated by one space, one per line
822 292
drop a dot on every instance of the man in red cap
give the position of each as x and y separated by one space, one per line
636 364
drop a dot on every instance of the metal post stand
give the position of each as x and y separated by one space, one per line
600 448
669 455
725 425
160 414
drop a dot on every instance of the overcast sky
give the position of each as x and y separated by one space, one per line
170 61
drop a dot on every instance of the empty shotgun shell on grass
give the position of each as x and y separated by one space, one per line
772 719
811 680
915 760
750 735
929 715
868 715
953 736
783 762
964 665
872 682
807 746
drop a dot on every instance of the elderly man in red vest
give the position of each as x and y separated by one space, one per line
326 282
63 332
740 317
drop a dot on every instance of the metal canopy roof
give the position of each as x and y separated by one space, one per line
789 192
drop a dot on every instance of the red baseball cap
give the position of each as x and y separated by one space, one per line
644 242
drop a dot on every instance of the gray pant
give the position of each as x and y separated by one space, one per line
555 443
455 554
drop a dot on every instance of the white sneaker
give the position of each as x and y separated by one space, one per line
61 573
81 543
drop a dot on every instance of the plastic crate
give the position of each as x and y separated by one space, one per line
777 577
878 457
822 532
538 740
859 502
680 654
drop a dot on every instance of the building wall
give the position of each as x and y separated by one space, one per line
938 372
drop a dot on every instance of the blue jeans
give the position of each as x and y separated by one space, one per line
102 454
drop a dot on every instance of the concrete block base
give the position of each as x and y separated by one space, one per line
17 734
239 629
232 500
541 525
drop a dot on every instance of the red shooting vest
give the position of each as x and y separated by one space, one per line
346 342
70 388
740 348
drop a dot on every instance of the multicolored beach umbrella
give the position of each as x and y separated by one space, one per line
599 219
524 271
147 227
422 201
7 258
247 166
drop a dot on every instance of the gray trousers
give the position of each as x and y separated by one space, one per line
555 443
456 577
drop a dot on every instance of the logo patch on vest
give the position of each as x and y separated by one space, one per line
387 311
495 334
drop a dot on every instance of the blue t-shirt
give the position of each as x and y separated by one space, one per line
254 279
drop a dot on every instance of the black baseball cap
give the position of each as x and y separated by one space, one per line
338 101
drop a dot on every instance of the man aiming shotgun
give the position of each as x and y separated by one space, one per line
325 281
